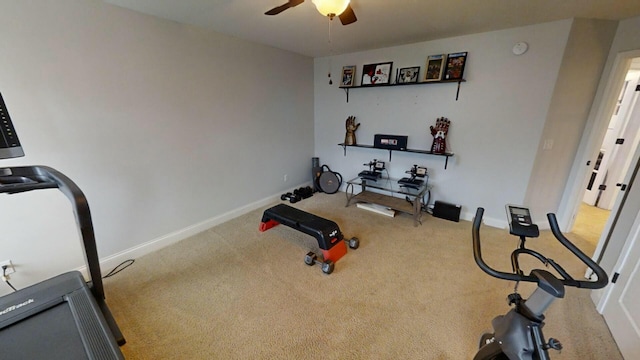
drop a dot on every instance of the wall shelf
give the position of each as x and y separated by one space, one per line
348 88
426 152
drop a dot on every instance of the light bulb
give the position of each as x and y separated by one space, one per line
331 7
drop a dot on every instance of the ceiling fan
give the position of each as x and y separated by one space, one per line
331 8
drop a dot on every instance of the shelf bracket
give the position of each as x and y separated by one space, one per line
344 147
346 91
390 155
457 94
446 161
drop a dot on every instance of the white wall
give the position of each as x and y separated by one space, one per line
584 58
496 123
168 129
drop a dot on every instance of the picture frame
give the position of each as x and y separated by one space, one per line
434 68
348 76
455 66
408 75
376 74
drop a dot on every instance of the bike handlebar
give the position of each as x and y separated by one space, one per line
477 254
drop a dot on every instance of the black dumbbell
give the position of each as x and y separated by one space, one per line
304 192
291 197
312 259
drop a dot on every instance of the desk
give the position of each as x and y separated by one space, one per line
387 192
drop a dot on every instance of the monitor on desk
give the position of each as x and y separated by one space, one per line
9 144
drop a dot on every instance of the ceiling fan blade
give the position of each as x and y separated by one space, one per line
348 16
278 9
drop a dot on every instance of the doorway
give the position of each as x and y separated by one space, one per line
613 160
590 222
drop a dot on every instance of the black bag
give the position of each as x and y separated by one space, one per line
328 181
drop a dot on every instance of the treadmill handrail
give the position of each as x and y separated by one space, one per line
45 176
80 206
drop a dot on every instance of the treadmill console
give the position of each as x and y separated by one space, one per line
9 144
520 222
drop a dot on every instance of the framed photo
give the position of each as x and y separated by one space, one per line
408 75
348 76
376 74
434 68
455 66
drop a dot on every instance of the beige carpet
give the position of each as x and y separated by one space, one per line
408 292
590 222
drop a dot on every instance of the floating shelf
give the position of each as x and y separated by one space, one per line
426 152
347 88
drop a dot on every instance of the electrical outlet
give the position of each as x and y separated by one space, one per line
10 268
285 177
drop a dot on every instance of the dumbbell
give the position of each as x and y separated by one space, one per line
291 197
304 192
312 259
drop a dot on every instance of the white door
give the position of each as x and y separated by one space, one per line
609 167
619 252
621 158
592 193
599 171
621 310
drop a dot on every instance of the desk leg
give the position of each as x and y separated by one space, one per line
417 211
349 194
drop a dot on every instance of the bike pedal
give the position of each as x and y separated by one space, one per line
554 344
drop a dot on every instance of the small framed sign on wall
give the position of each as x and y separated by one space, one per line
455 66
434 68
376 74
348 76
408 75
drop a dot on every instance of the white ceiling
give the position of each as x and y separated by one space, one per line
380 23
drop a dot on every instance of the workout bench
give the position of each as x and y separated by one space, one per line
327 232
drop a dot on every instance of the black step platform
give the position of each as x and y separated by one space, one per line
327 233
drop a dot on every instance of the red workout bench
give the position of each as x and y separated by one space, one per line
327 232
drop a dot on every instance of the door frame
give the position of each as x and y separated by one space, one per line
603 107
589 148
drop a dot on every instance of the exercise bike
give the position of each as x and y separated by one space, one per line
518 334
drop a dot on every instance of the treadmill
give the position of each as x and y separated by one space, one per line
63 317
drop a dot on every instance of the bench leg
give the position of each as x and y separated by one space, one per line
335 252
266 225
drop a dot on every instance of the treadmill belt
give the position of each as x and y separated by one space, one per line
56 333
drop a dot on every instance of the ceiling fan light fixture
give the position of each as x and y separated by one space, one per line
331 7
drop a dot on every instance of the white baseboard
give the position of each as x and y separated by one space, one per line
109 262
